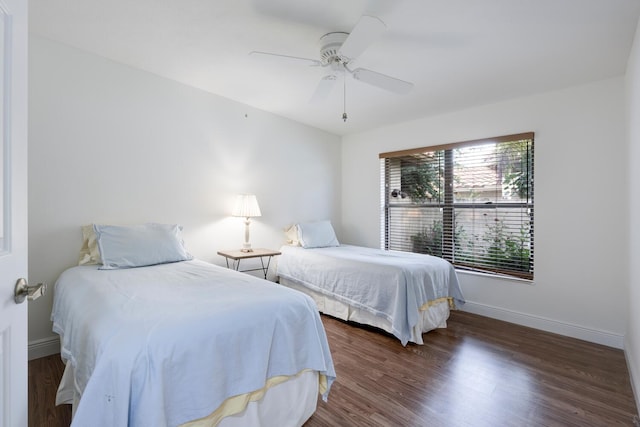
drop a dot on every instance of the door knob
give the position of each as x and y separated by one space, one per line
24 291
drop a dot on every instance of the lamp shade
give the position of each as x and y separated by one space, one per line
246 206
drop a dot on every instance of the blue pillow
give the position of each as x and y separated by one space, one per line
317 235
139 245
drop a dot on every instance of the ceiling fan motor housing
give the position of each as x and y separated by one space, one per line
329 46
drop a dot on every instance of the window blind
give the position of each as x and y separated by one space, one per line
469 202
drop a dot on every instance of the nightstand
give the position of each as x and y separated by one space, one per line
237 255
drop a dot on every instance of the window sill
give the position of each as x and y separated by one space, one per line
496 276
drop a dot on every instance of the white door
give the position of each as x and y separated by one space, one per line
13 211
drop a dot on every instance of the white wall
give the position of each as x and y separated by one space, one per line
112 144
581 208
632 343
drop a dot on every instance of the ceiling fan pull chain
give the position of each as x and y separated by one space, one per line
344 88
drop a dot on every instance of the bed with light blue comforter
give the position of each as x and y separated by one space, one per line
390 284
167 344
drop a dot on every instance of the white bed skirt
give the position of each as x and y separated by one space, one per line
432 317
276 408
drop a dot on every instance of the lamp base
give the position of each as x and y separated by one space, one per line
246 246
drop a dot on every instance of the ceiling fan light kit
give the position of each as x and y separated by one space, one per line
338 49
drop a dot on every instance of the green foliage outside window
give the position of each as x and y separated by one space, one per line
517 161
500 248
429 240
422 182
507 250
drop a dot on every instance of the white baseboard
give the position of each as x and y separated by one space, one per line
44 347
634 371
592 335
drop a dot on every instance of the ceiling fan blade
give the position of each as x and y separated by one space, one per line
381 80
323 89
289 58
366 31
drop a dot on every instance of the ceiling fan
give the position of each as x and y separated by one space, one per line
338 50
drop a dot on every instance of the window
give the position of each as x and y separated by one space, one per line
470 203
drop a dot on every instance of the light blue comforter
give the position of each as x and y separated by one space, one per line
389 284
163 345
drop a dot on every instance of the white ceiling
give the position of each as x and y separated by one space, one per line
458 53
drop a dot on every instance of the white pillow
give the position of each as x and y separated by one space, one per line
291 234
318 234
89 252
139 245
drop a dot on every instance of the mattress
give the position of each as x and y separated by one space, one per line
403 293
171 344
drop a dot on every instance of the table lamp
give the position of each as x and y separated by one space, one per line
247 207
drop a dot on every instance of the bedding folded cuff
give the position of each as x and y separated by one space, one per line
236 404
428 304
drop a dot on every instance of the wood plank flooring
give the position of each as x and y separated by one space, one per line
477 372
44 377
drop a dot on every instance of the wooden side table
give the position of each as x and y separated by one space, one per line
237 255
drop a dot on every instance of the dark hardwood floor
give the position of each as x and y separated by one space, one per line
477 372
44 377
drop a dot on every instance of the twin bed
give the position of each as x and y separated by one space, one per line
151 336
402 293
177 341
